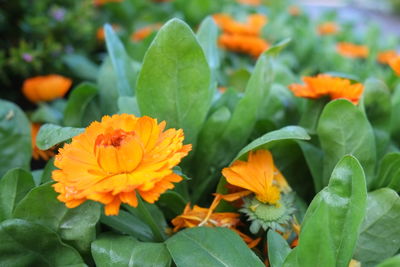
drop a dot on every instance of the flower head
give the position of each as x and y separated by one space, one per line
117 158
352 50
252 26
251 45
294 10
325 85
36 152
395 64
46 88
144 32
385 57
327 28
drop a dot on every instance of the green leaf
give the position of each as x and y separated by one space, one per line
128 104
81 66
50 135
395 121
47 172
77 104
377 104
314 158
77 226
277 48
344 129
380 232
204 246
113 250
29 244
15 138
391 262
207 35
173 202
331 225
122 64
14 185
46 114
278 249
108 91
389 172
174 83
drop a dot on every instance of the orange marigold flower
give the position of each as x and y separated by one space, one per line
36 152
249 2
395 65
352 50
144 32
46 88
325 85
252 26
327 28
294 10
117 158
251 45
258 175
103 2
385 57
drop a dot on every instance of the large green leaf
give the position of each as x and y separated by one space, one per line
389 172
377 104
174 83
108 91
122 64
344 129
208 38
15 184
77 226
380 232
113 250
51 134
331 225
203 246
77 103
26 243
392 262
278 249
15 138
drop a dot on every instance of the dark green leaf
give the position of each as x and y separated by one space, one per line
26 243
81 66
47 172
380 232
203 246
14 185
314 158
278 249
174 83
15 138
389 172
344 129
331 225
50 135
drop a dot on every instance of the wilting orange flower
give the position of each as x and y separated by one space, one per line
294 10
36 152
250 2
385 57
117 158
252 26
103 2
351 50
395 64
258 175
325 85
46 88
251 45
144 32
327 28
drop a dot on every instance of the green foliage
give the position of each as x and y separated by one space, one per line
50 135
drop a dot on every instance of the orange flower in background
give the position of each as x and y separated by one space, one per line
46 88
252 26
385 57
352 50
328 28
117 158
325 85
144 32
251 45
249 2
294 10
36 152
395 65
103 2
258 175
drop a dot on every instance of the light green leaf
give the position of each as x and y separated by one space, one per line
331 225
108 90
15 138
207 35
174 83
344 129
81 66
278 249
128 104
204 246
29 244
46 114
51 134
392 262
14 185
380 232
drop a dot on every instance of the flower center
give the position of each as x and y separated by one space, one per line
112 138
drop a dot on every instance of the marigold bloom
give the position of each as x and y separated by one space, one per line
385 57
46 88
259 175
325 85
294 10
103 2
36 152
144 32
327 28
252 26
251 45
117 158
352 50
395 65
249 2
